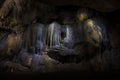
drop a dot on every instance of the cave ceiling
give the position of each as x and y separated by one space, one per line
100 5
21 10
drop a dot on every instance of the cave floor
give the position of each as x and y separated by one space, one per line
50 65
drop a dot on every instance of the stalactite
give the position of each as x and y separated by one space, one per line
69 38
40 38
54 31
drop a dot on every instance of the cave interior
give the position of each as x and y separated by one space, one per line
55 36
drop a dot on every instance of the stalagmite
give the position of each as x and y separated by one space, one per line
37 61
